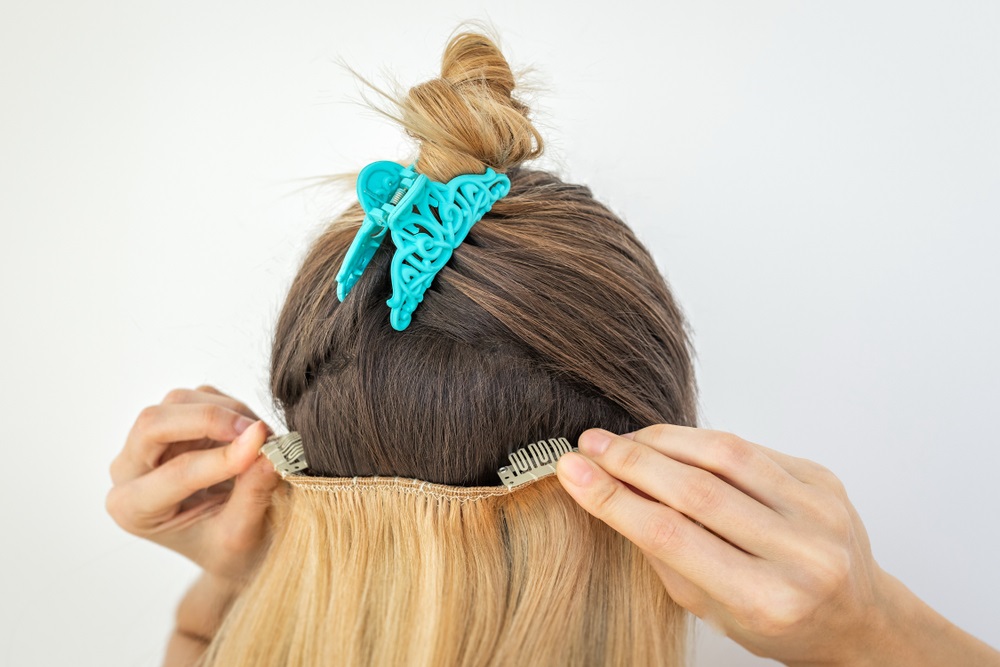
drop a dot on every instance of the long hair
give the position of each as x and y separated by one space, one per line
399 546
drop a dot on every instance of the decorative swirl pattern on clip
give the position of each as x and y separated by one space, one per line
427 221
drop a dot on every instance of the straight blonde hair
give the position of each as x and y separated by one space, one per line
390 571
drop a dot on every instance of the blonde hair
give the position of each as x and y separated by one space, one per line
383 571
549 319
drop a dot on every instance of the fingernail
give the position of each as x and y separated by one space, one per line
630 435
242 424
576 468
595 441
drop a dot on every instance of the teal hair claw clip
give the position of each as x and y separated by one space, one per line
427 221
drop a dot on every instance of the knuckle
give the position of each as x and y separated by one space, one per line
788 610
111 503
657 431
242 408
632 457
819 472
214 417
208 388
827 509
664 534
733 453
177 395
825 478
147 417
604 497
839 522
720 438
116 505
830 568
114 467
834 483
701 494
814 504
776 614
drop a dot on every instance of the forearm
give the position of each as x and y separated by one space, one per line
914 635
198 617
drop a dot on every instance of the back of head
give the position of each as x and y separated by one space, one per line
550 318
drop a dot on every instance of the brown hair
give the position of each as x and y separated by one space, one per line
549 319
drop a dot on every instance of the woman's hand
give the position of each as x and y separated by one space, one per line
763 546
174 480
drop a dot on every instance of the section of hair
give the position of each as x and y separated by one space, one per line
550 319
471 577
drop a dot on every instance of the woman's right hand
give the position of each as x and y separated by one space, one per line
189 478
764 546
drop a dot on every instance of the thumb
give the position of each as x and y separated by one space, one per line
244 513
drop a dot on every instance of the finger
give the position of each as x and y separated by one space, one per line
741 463
158 426
805 470
244 513
799 468
220 491
693 491
728 445
208 394
156 496
719 569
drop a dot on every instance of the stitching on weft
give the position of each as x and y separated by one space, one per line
412 486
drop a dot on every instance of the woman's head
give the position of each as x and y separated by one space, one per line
550 318
401 547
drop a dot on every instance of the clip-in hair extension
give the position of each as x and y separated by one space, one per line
286 453
535 461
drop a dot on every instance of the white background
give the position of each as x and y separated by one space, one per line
819 182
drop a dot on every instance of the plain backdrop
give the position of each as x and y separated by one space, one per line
819 183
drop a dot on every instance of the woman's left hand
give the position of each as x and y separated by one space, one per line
190 478
764 546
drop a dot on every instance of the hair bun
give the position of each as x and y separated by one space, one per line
467 119
472 58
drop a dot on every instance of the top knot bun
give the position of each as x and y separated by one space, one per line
467 119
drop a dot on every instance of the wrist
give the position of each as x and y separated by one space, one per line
897 625
205 604
888 633
906 631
